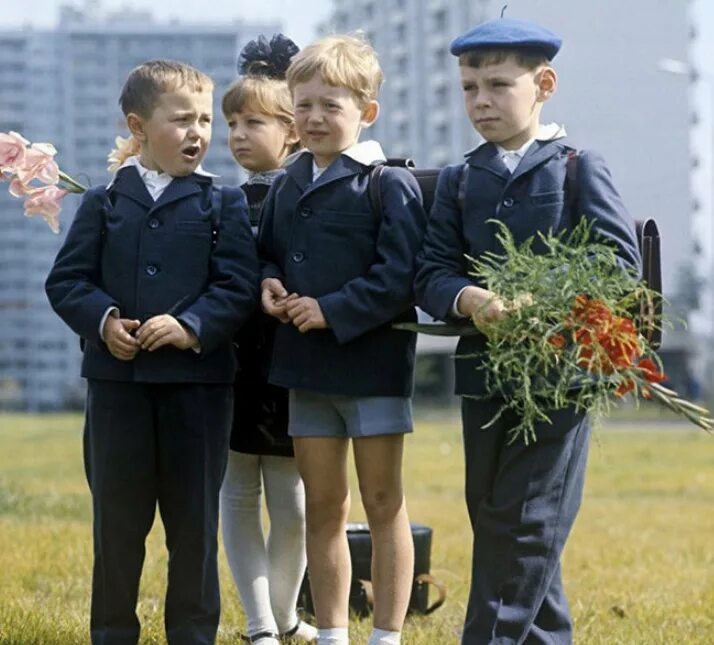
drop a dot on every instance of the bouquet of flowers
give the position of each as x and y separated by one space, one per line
34 174
573 332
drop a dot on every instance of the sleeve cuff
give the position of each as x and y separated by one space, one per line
454 305
111 311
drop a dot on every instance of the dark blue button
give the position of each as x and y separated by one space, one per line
154 223
298 256
508 202
152 270
305 212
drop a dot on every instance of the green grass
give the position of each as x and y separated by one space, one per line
639 567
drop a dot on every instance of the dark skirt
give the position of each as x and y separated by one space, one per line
260 420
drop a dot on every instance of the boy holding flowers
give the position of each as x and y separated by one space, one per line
522 498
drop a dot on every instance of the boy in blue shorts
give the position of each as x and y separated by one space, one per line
337 273
522 499
157 272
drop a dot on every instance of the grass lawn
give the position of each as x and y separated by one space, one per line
639 567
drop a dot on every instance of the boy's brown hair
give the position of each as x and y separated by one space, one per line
524 57
342 61
147 82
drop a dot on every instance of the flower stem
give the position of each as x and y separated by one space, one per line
72 185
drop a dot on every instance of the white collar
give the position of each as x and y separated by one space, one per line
153 175
364 152
546 132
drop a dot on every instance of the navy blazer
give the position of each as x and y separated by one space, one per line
149 258
531 199
322 240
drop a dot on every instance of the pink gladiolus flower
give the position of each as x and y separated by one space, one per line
45 202
12 150
39 164
18 189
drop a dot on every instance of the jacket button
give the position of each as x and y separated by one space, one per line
154 223
152 270
305 212
508 202
298 256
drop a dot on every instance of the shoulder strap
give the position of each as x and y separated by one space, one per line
461 195
216 208
374 191
571 180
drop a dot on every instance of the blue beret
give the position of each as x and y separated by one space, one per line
504 33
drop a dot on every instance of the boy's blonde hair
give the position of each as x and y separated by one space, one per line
342 61
147 82
527 58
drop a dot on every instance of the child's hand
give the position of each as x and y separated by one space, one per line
117 336
274 297
482 306
305 314
165 330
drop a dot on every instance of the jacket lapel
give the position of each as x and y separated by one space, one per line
340 168
180 188
128 183
538 153
300 171
486 157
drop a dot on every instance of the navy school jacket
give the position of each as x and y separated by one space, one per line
322 240
531 199
149 258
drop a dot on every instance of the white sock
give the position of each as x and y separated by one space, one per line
268 640
333 636
384 637
304 632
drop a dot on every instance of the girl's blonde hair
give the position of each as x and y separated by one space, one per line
347 61
259 94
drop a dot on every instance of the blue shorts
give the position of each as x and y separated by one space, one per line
313 414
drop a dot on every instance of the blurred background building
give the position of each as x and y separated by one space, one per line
62 86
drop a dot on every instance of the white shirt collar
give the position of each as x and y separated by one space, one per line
546 132
155 182
364 152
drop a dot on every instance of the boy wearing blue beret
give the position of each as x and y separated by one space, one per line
522 499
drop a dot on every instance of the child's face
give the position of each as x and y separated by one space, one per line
175 138
504 100
258 141
328 118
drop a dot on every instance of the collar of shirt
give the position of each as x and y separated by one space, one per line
154 181
364 152
511 158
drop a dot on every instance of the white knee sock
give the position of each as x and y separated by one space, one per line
384 637
333 636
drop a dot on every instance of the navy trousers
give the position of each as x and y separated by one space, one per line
149 444
522 502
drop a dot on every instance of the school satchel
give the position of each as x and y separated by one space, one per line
648 315
361 598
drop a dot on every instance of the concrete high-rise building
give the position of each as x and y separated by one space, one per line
62 86
613 96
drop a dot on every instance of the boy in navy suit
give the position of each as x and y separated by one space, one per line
337 273
522 499
157 272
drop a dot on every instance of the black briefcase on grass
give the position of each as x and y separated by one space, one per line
360 544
